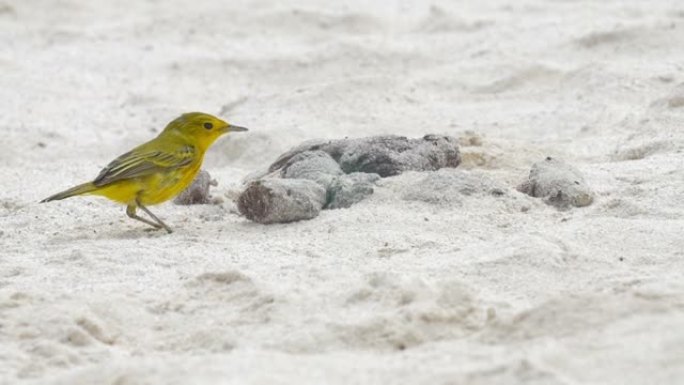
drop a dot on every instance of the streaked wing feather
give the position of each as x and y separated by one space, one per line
136 164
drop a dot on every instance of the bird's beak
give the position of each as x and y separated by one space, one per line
232 128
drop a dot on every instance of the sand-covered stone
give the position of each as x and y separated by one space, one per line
558 183
198 191
317 166
449 187
349 189
278 200
383 155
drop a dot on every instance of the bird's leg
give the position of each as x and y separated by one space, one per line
130 211
159 224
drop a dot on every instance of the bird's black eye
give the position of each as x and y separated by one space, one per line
208 126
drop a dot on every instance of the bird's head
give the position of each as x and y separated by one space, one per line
201 128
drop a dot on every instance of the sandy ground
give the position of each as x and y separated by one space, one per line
407 287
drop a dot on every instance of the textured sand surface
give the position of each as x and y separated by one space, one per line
447 277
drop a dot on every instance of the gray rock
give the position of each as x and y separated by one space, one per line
346 190
317 166
383 155
558 183
198 191
331 147
281 200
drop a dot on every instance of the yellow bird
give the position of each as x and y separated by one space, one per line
158 170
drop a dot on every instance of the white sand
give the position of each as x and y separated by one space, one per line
464 289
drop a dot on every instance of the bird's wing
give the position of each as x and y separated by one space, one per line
140 162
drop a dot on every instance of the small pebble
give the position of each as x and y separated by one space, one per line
198 191
558 184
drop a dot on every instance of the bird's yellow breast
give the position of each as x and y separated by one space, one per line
151 189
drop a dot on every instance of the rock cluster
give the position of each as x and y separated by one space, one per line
335 174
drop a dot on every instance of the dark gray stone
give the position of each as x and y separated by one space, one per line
383 155
198 191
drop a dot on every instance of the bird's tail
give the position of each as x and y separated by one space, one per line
76 190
